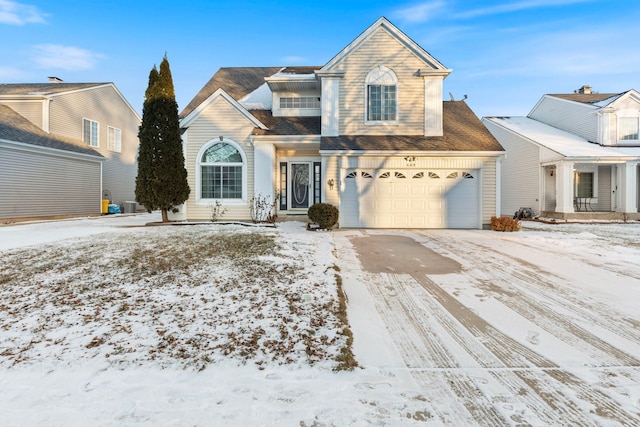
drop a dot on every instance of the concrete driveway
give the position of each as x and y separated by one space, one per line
497 330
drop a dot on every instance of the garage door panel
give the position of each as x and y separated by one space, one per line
411 199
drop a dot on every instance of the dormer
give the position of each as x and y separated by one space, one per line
295 92
619 120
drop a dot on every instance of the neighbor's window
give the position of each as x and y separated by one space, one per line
382 95
114 139
300 102
90 132
221 172
628 128
584 184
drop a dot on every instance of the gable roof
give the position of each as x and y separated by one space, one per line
584 98
406 41
46 90
237 82
559 141
16 128
287 125
42 89
462 131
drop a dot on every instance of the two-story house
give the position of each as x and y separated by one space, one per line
573 156
367 132
94 115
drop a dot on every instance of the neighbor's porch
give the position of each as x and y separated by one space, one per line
591 190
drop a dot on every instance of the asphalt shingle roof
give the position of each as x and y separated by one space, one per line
14 127
463 131
585 98
43 88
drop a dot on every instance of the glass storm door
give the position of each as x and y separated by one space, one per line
300 185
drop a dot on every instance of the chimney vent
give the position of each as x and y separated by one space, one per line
585 90
54 79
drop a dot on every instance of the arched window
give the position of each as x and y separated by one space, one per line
222 171
382 95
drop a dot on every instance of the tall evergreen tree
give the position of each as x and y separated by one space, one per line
162 177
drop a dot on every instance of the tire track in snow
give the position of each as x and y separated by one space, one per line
603 405
511 381
522 278
421 347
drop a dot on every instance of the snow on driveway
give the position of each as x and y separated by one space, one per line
540 327
451 327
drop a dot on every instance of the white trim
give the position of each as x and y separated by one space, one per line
23 146
229 202
381 76
220 93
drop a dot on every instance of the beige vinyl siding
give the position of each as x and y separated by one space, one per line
381 49
489 186
331 171
29 109
573 117
520 171
105 106
46 184
219 119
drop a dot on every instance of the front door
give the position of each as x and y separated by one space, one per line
300 185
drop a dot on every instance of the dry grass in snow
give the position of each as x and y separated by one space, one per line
185 296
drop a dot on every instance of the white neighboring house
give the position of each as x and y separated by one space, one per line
95 114
573 156
367 132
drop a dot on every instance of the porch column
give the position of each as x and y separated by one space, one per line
628 193
564 187
264 165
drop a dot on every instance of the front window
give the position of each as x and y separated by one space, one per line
382 103
628 129
221 172
381 96
584 184
90 132
301 102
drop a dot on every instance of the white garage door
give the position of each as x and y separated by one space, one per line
410 199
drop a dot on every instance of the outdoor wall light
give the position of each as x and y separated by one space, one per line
331 183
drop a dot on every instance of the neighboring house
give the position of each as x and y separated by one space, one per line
42 174
96 114
575 155
367 132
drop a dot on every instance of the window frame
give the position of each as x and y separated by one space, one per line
383 78
630 136
200 200
594 184
91 132
114 139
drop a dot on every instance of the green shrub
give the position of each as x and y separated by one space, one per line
505 223
323 214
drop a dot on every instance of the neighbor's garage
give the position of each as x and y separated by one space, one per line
410 198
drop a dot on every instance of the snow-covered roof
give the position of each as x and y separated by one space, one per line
562 142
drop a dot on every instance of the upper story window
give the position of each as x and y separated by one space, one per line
114 139
222 172
90 132
381 96
300 102
628 128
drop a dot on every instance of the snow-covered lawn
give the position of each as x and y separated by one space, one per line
106 322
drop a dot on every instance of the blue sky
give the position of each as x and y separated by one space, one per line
504 54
